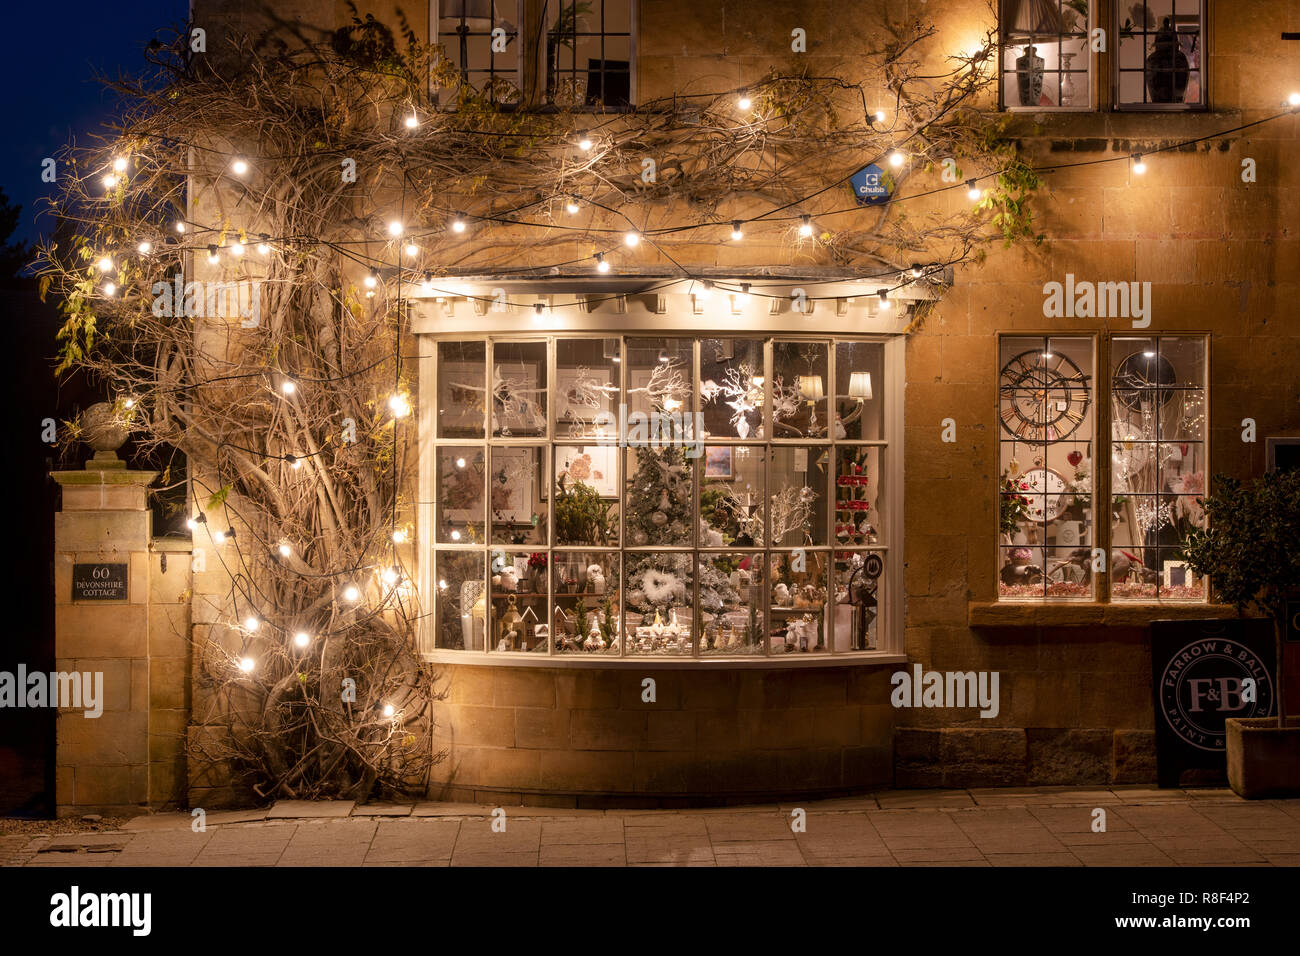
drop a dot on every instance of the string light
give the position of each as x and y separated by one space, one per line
105 264
285 550
351 593
180 227
584 141
221 537
213 258
805 226
1139 166
246 664
399 406
237 249
372 279
394 228
880 116
301 639
109 288
239 167
896 158
263 249
571 206
1293 99
460 462
458 224
110 181
412 250
412 121
601 264
399 536
706 291
251 624
198 519
144 248
736 232
455 536
119 164
389 710
884 299
426 284
744 102
973 191
632 239
288 387
391 576
442 584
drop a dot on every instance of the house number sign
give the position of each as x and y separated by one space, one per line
99 582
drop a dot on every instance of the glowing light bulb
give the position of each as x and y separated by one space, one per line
110 181
119 164
601 264
109 288
371 280
251 623
736 232
426 284
1139 166
287 386
128 403
237 249
246 664
399 406
460 462
880 116
632 239
805 226
672 404
916 270
1293 99
412 250
180 227
301 639
144 248
884 299
239 167
572 207
263 249
584 141
394 228
706 291
285 551
391 576
389 710
213 258
399 536
442 584
351 593
896 158
455 536
105 264
744 102
412 121
973 191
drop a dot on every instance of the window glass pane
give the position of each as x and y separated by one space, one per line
858 598
588 53
731 499
731 387
465 34
519 389
516 611
798 502
1045 56
858 476
799 383
1047 416
659 497
517 514
859 373
586 387
1159 465
461 513
462 600
799 602
658 378
462 389
660 598
1160 54
585 608
585 495
731 603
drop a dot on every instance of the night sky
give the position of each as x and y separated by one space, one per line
53 53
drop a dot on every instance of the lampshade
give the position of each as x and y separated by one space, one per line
477 14
1030 17
810 386
860 386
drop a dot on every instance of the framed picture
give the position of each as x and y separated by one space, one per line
462 390
460 489
717 461
515 473
524 411
594 465
574 404
1179 575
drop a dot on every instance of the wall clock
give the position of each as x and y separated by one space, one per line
1045 490
1044 396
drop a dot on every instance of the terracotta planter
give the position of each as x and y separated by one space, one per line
1263 757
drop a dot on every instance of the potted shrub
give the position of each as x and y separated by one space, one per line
1251 553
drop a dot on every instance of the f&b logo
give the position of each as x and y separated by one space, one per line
1208 681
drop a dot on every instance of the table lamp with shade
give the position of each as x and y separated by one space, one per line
1023 21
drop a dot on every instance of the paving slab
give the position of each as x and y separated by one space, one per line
299 809
383 810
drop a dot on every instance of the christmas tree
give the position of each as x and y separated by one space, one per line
659 506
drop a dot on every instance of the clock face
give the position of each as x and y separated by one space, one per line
1045 490
1144 378
1044 396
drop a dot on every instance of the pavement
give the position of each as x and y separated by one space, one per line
1042 826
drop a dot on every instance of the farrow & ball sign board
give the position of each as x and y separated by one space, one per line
99 582
1202 673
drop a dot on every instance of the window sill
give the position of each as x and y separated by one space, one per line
1088 614
787 662
1075 125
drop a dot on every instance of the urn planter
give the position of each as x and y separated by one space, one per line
1263 757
